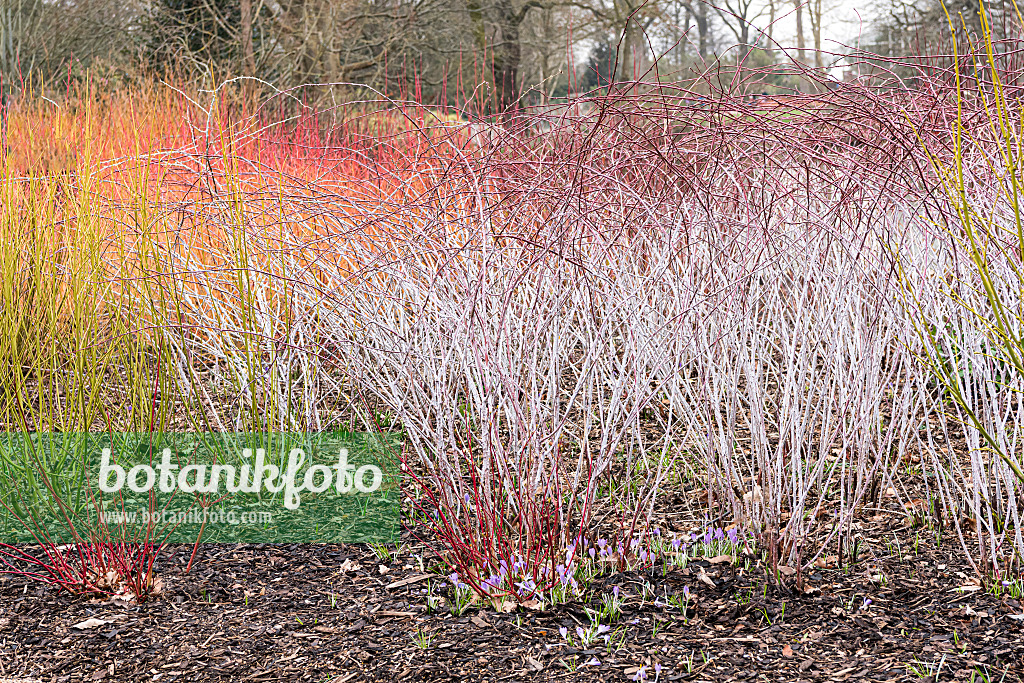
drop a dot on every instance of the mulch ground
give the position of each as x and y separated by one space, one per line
334 613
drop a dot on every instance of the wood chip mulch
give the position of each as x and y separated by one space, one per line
337 613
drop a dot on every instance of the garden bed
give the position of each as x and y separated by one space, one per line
328 613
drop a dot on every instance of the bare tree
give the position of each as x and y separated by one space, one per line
330 40
920 27
737 15
38 38
545 34
816 14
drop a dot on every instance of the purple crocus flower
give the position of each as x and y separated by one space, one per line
563 575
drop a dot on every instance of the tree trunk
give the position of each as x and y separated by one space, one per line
700 17
506 59
544 58
627 59
248 56
800 44
681 47
814 9
476 17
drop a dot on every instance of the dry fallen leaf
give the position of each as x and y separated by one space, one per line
534 664
719 559
829 562
479 621
786 571
382 569
916 505
704 578
121 600
535 605
349 566
787 651
92 622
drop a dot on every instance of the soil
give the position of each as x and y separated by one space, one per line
905 610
